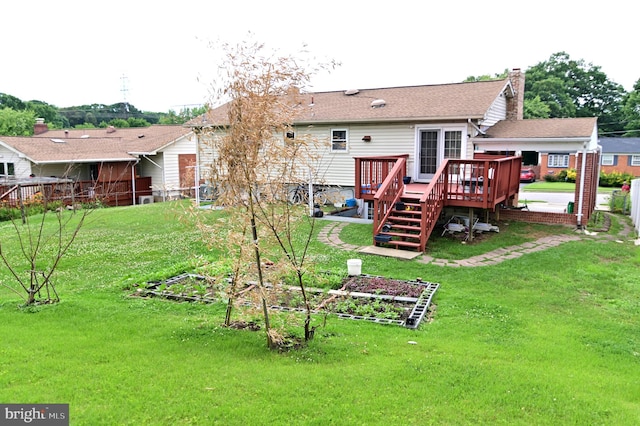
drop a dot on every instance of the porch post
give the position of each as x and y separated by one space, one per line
583 165
133 183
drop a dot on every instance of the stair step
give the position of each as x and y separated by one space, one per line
404 213
407 227
404 218
400 235
400 243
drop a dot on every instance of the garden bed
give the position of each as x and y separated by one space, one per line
362 297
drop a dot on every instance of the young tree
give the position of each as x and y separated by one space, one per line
254 161
43 234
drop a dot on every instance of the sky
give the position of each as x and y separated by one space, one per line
158 56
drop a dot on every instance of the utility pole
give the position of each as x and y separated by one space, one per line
125 90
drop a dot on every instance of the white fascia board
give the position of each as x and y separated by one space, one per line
87 160
531 144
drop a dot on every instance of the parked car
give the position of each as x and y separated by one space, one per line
527 175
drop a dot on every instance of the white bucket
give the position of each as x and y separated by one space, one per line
354 266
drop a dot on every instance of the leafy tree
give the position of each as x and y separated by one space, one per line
486 77
90 118
119 122
573 88
48 112
185 115
535 108
631 111
16 123
137 122
9 101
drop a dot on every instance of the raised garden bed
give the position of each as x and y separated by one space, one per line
363 297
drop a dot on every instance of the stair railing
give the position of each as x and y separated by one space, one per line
388 194
432 202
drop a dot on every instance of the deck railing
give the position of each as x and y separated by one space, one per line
371 172
473 183
115 193
482 183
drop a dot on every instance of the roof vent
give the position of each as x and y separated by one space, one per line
84 137
111 129
351 92
140 136
57 140
378 103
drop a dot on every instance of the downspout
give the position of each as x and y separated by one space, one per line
581 191
133 180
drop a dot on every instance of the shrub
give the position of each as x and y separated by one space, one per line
550 177
614 179
562 176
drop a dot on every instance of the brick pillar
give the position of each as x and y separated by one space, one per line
591 180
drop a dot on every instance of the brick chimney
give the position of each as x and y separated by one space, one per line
515 105
40 127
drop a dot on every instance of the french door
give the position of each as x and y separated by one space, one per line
434 145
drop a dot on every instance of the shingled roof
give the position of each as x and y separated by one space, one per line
550 128
408 103
95 145
620 145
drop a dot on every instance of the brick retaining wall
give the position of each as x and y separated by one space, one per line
537 217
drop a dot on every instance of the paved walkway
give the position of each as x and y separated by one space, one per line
330 235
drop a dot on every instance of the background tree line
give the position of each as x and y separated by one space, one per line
559 87
17 117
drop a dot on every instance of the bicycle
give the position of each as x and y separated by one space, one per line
299 194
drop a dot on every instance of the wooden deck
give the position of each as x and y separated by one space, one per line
110 193
404 215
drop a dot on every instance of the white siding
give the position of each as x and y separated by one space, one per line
338 168
168 178
22 167
153 166
496 112
71 171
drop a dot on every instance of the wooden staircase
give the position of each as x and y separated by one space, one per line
404 218
402 228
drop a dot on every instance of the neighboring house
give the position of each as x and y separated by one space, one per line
549 145
620 155
164 154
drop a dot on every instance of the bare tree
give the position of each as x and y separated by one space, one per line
43 239
255 157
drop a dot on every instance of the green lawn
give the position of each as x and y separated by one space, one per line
543 186
548 338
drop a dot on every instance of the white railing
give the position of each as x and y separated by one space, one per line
635 203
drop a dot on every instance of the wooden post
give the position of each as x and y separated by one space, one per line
470 224
21 202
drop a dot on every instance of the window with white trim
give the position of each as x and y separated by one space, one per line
558 160
607 160
7 170
339 139
452 144
635 160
